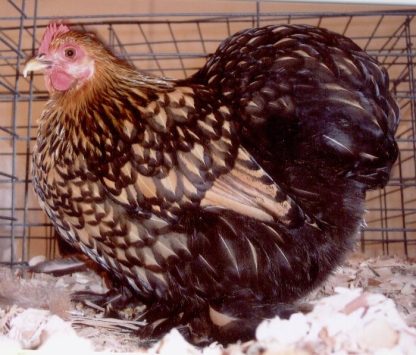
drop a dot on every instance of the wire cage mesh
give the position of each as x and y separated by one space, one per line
176 45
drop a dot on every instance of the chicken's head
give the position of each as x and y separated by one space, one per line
64 57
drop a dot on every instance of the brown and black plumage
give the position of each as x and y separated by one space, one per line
220 199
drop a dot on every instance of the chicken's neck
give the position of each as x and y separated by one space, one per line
106 107
114 80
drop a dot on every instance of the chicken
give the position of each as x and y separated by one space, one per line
222 199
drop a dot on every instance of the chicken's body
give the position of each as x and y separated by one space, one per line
229 195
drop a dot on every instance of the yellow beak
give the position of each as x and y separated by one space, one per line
36 64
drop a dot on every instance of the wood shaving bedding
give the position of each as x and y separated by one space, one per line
368 306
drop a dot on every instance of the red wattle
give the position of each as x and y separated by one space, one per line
61 81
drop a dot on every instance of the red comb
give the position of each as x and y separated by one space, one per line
52 30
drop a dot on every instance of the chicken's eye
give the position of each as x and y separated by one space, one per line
70 52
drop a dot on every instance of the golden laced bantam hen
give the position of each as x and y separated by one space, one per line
218 200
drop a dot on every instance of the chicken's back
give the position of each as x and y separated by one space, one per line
315 109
